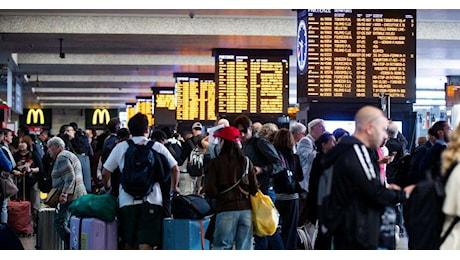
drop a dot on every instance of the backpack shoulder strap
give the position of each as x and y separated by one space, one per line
150 144
130 142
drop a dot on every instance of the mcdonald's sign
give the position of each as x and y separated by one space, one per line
35 116
100 117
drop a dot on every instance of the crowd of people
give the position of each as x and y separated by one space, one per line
286 164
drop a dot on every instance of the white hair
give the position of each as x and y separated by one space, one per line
314 122
57 141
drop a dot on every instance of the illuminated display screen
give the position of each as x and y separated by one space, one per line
144 106
252 81
356 54
131 110
165 100
196 96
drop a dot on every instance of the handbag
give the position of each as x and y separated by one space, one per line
8 187
103 207
53 197
265 216
191 206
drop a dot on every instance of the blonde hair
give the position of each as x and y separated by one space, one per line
452 152
267 130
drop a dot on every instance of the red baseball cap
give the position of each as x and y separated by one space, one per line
229 133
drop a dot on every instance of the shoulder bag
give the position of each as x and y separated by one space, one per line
8 188
53 197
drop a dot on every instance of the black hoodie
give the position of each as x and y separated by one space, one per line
358 192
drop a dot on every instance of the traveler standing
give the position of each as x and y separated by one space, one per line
140 220
266 162
233 206
68 177
357 196
286 185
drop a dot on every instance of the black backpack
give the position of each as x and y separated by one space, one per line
138 175
330 215
423 214
195 164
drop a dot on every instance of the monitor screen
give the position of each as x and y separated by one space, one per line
358 55
196 95
349 125
252 81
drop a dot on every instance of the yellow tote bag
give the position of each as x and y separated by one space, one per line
265 216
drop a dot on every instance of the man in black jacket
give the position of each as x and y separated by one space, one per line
357 193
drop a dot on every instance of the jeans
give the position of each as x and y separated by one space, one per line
233 226
273 242
86 171
61 223
4 212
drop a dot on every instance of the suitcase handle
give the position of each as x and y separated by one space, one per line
201 233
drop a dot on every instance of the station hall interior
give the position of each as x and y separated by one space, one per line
72 60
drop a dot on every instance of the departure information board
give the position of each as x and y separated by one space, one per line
165 99
144 106
252 81
356 54
196 96
131 110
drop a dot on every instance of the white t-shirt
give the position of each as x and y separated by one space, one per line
117 159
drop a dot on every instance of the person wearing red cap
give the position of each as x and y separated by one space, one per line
226 184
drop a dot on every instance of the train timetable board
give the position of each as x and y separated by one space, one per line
196 96
356 55
131 110
254 81
165 99
144 106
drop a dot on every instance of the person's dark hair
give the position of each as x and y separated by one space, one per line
340 132
62 129
138 124
230 149
284 140
24 130
74 125
323 139
113 125
159 135
439 125
430 131
123 133
242 120
7 130
167 131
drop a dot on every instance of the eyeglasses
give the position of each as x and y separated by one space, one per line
197 128
244 131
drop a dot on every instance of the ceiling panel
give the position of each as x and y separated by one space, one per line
128 60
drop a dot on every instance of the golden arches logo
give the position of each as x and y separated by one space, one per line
101 116
36 115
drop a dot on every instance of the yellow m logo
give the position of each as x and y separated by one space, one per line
36 115
101 116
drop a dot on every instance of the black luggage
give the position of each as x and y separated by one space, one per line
9 239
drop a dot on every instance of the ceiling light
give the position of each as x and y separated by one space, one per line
73 98
93 90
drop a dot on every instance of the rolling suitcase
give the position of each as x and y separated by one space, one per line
185 234
47 238
19 214
93 234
